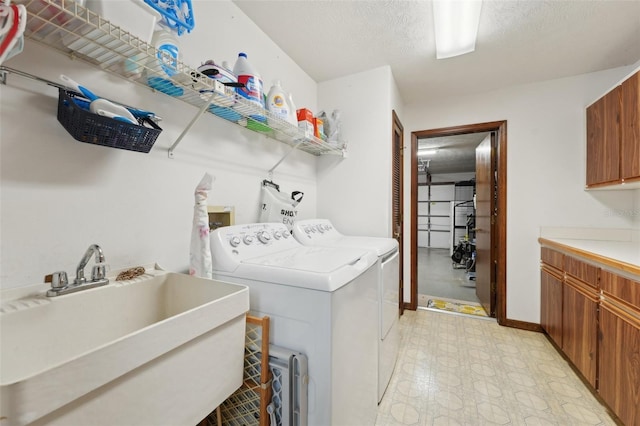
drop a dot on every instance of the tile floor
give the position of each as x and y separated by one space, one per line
460 370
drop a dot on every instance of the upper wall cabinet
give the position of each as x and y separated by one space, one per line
630 128
613 138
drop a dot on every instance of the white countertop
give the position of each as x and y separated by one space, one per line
622 251
619 249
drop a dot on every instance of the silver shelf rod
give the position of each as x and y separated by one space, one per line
7 70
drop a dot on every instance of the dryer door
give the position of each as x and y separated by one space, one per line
389 292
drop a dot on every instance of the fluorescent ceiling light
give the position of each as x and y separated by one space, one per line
456 26
427 152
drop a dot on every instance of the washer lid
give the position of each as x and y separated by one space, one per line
321 260
316 268
380 246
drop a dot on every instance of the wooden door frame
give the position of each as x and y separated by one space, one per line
396 124
500 127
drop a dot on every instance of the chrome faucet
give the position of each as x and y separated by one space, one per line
98 271
60 284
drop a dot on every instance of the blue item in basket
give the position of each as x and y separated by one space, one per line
226 113
176 14
165 86
84 104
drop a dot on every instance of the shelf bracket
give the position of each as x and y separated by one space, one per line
191 123
293 148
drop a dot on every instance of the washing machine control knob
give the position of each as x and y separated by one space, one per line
307 229
234 241
277 235
264 237
313 228
248 239
286 234
321 229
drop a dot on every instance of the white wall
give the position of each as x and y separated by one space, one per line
355 192
545 167
58 195
397 104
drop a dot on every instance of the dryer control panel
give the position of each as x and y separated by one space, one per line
315 230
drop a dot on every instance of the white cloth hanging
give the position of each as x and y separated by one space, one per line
200 262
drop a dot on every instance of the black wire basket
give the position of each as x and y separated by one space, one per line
88 127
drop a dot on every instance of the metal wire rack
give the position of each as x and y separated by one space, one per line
247 406
79 32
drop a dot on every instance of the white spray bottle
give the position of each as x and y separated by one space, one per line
293 112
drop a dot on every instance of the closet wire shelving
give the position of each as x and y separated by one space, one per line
76 31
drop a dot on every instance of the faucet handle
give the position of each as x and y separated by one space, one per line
99 271
58 279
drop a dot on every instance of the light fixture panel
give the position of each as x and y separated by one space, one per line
456 26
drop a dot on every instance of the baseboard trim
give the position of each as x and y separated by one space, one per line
522 325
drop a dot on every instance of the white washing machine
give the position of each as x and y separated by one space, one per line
320 232
320 301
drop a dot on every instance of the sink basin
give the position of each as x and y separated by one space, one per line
162 348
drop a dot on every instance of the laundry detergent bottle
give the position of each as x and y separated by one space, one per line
277 102
252 90
165 62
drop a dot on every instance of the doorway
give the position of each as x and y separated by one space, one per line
448 202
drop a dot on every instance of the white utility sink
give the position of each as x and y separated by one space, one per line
160 349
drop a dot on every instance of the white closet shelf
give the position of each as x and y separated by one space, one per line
66 26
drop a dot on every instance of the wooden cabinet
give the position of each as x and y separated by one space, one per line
593 316
551 304
551 282
613 136
569 308
619 347
580 326
603 139
630 128
580 297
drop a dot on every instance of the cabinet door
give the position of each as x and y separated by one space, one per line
579 328
551 304
630 128
603 139
619 363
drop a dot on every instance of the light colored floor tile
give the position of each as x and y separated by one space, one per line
459 370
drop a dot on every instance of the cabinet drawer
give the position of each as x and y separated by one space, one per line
552 257
582 271
624 289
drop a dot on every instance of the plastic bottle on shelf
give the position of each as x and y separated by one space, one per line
277 102
293 115
252 90
165 64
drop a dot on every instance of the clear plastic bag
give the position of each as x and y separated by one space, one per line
332 124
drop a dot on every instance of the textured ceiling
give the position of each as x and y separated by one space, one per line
519 41
456 154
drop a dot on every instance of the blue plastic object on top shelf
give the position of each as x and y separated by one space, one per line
177 14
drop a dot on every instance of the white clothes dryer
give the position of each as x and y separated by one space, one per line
321 233
320 302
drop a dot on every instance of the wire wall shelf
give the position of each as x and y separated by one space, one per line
80 33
